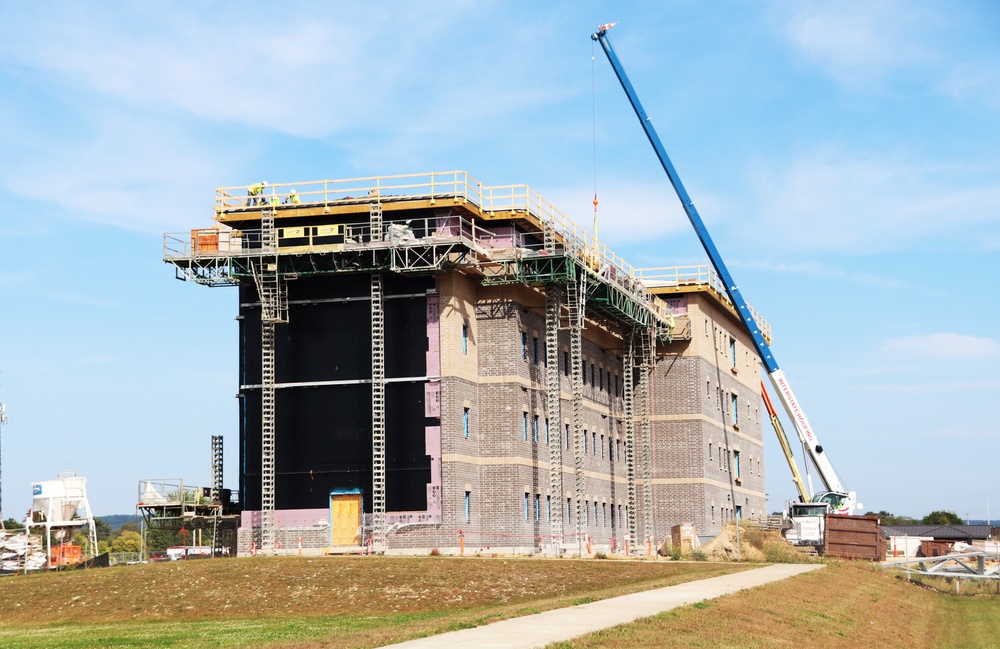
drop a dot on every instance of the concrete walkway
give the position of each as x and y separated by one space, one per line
530 631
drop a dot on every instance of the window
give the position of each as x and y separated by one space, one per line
594 445
592 381
600 378
567 436
534 429
736 464
583 372
602 445
595 514
736 410
616 385
524 345
548 508
739 512
526 494
546 431
524 425
713 514
534 350
566 363
619 516
604 515
618 450
468 498
569 511
732 350
710 450
538 507
584 441
465 421
586 515
465 338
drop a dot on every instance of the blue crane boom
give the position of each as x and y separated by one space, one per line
840 499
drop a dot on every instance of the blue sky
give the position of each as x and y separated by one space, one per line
844 156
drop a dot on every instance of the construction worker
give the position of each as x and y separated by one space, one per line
293 197
255 193
273 199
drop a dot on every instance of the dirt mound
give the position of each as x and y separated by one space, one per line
724 547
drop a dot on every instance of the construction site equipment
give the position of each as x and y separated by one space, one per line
785 446
3 420
841 500
57 505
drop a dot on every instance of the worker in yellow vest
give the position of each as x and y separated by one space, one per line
255 193
293 197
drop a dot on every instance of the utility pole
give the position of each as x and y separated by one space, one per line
3 420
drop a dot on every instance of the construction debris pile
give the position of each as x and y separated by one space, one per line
20 552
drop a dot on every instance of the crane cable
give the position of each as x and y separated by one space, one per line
593 107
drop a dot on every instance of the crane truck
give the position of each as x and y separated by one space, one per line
835 498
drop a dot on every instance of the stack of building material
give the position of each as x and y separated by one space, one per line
20 552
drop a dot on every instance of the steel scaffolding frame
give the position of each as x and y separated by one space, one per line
273 294
216 494
378 414
575 303
553 409
645 394
628 397
377 538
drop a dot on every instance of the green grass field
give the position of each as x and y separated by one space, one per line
369 602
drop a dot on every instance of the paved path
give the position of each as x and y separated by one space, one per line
530 631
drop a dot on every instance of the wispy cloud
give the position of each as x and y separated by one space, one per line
831 198
819 269
862 45
858 43
943 345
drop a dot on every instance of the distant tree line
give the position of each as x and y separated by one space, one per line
937 517
124 538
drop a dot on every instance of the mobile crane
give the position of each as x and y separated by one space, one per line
837 498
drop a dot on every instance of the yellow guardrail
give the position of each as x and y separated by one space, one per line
460 186
698 275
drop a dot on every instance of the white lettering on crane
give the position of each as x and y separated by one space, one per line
793 405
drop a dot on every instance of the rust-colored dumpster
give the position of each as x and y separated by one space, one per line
854 537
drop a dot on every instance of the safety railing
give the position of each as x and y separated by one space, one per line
701 275
430 186
457 185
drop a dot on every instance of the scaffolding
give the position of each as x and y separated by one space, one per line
273 293
216 468
628 398
378 225
646 362
553 407
575 305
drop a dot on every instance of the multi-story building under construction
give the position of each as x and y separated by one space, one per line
426 361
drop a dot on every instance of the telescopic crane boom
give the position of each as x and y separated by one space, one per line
841 501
